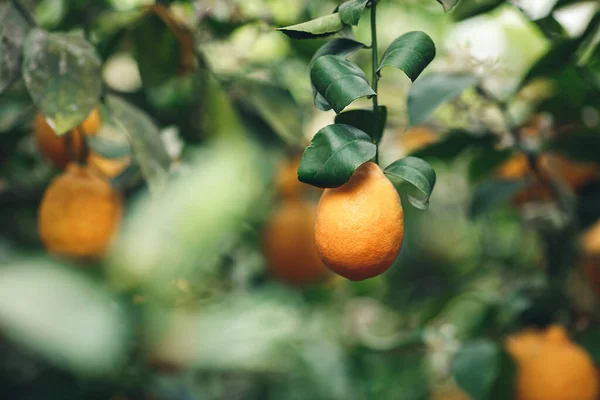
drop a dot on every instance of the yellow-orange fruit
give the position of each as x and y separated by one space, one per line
79 214
289 244
54 148
559 370
524 344
286 179
591 240
416 138
109 167
360 225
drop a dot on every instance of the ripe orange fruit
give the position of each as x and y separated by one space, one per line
524 344
416 138
360 225
79 213
591 240
286 180
590 260
574 174
54 148
558 370
289 244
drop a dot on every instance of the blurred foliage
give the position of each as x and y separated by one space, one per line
208 100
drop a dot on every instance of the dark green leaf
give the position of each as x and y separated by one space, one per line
418 173
339 81
13 30
411 53
111 140
504 387
551 28
429 92
476 367
493 193
277 108
468 9
342 47
333 155
554 60
453 144
62 74
580 147
447 4
157 50
590 341
365 121
486 161
315 28
148 148
351 10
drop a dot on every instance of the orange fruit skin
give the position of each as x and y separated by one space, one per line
524 344
558 370
79 214
289 244
360 225
54 148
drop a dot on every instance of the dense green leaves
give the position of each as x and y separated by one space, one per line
333 155
157 50
144 136
487 160
350 11
447 4
476 367
453 144
366 121
429 92
418 173
13 30
339 81
315 28
62 74
411 53
468 9
493 193
342 47
581 146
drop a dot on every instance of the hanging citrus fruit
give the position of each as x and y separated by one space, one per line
360 225
289 244
79 213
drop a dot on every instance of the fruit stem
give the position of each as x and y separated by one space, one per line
375 75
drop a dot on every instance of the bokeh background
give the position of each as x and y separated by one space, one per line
190 303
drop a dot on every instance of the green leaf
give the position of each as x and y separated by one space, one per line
411 53
351 10
13 30
468 9
339 81
492 194
157 50
333 155
447 4
315 28
554 60
277 108
67 318
62 74
453 144
504 387
476 367
430 92
582 146
148 148
418 173
365 121
486 161
111 140
342 47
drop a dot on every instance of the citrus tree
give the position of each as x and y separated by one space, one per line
227 199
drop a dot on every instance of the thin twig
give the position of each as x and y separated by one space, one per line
375 75
25 12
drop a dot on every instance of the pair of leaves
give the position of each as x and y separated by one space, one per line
338 82
483 370
62 75
337 150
